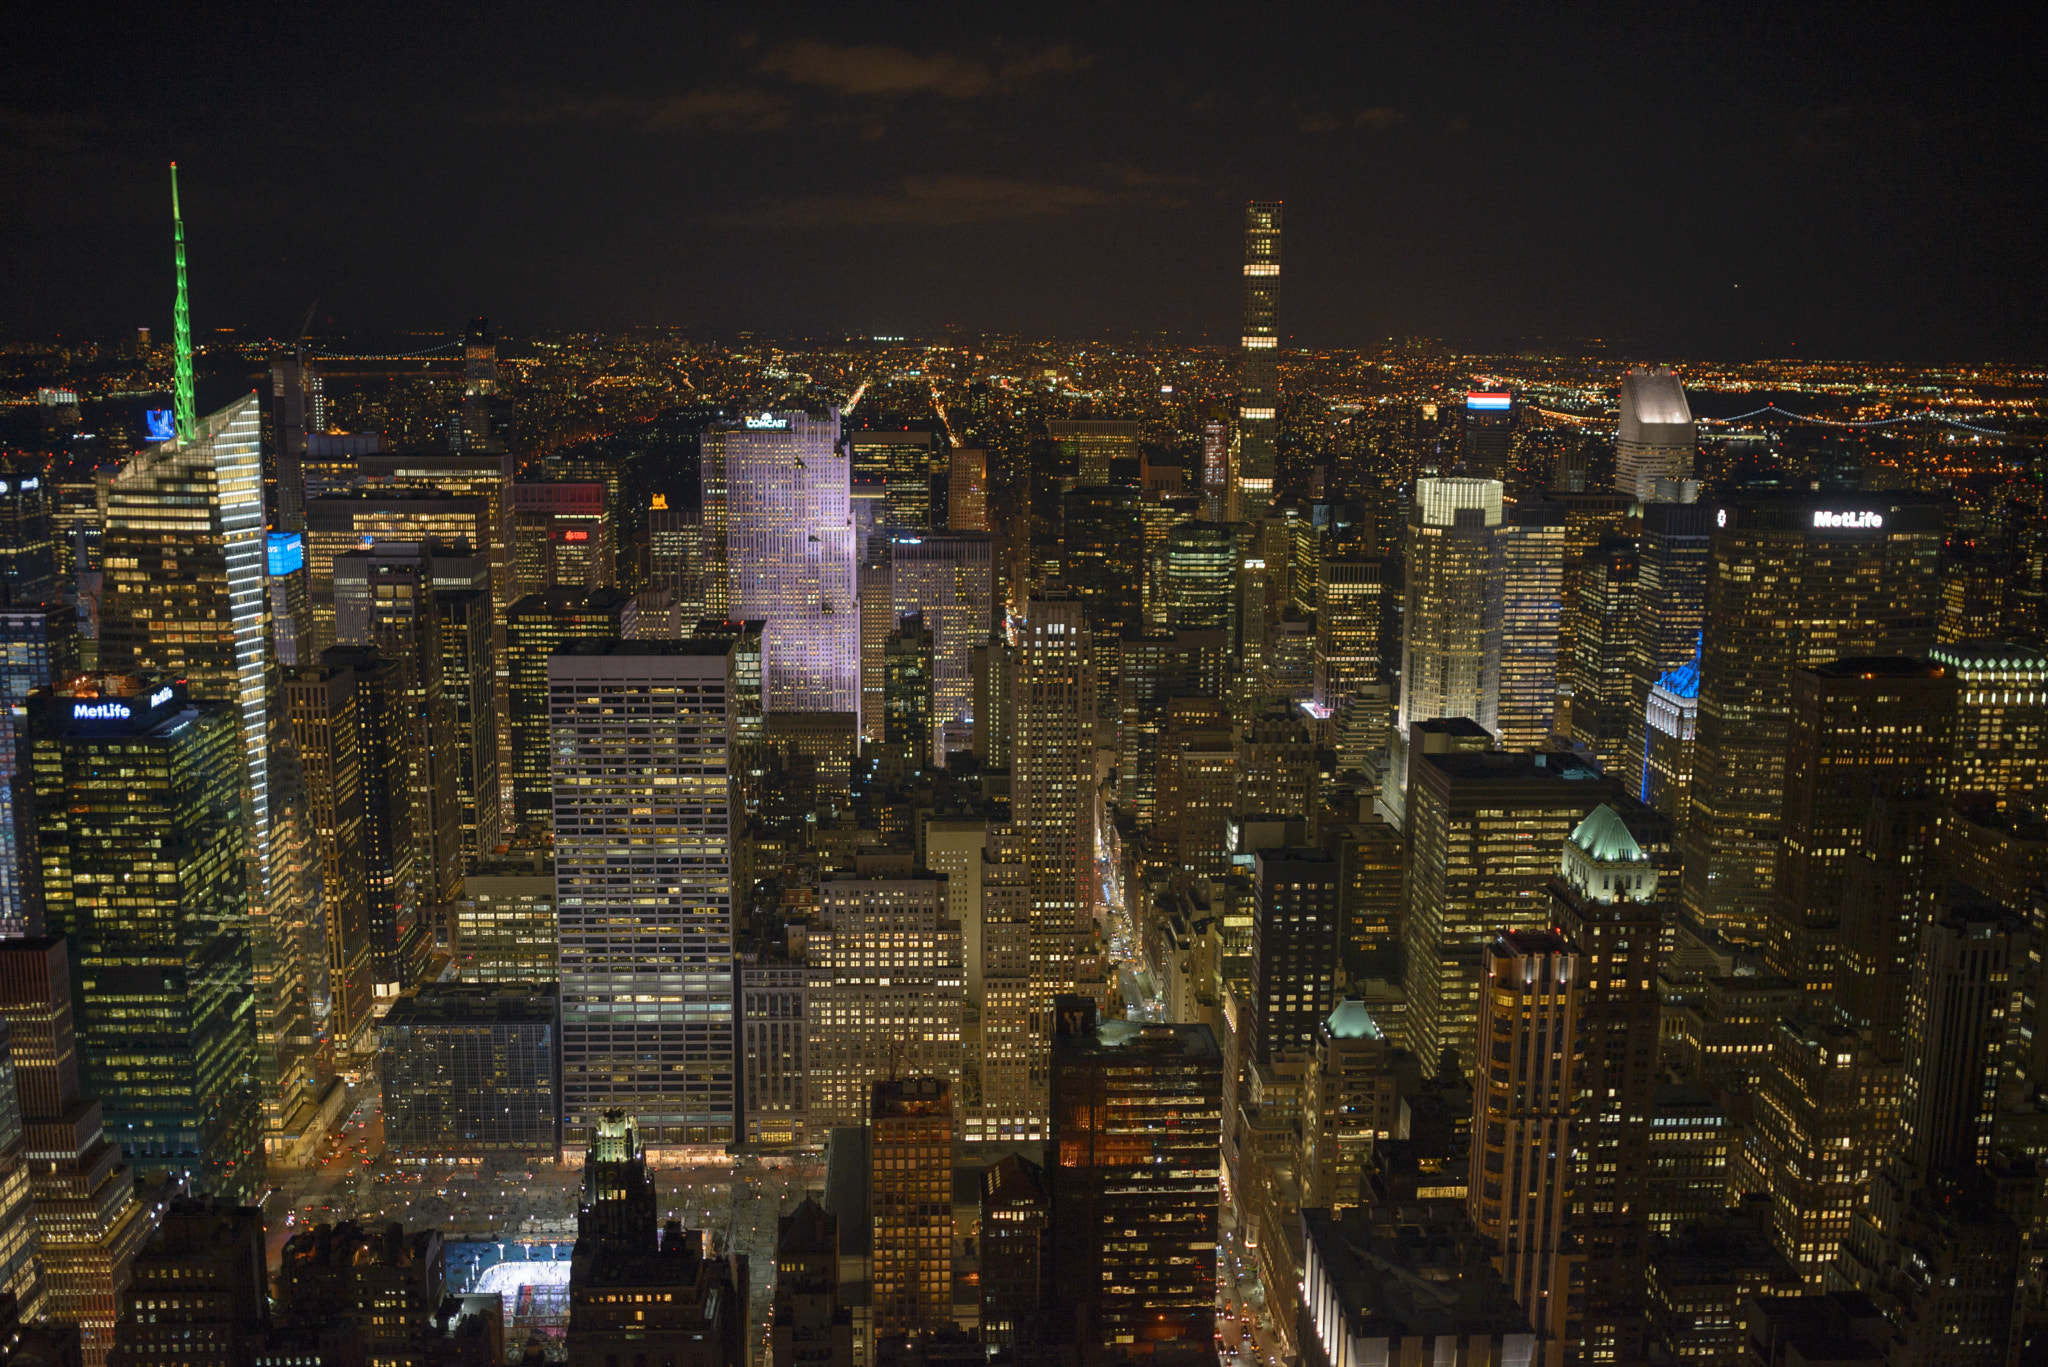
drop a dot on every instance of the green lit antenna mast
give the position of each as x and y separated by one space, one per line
188 413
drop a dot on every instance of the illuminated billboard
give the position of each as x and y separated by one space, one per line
1490 403
162 422
287 553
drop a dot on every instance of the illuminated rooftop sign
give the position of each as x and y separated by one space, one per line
162 422
101 711
1490 403
1853 522
766 422
287 553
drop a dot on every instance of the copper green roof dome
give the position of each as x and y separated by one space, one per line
1352 1021
1605 837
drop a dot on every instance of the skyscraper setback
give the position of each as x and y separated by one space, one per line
1259 383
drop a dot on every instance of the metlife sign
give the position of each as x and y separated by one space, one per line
1847 522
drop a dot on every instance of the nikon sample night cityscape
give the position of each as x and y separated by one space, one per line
885 687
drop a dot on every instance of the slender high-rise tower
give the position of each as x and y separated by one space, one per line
1259 387
181 322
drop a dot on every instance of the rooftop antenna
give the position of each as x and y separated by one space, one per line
188 414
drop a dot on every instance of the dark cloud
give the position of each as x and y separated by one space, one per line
1379 118
940 202
870 69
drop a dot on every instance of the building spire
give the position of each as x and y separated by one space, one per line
187 408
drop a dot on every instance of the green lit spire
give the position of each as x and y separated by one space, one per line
188 409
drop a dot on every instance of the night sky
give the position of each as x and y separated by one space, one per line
1680 180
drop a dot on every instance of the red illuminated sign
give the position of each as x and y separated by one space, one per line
575 536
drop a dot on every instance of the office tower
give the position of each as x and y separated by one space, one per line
637 1285
1100 548
21 1270
1825 1113
946 579
911 1203
1294 949
384 597
1353 1099
893 1005
1670 734
288 404
1259 380
811 1328
1052 785
907 704
200 1291
825 742
1655 439
1670 601
1521 1185
1201 577
38 646
1159 515
184 597
334 459
472 428
487 475
1690 1140
1090 447
1962 1022
87 1219
407 511
2001 718
773 1003
1450 650
124 769
1133 1225
1196 789
1531 567
1859 727
28 546
398 915
903 463
967 491
1370 897
473 1069
353 773
778 539
1598 678
1485 832
1216 464
877 620
1605 904
1793 581
537 626
1276 764
1152 669
1003 1031
994 664
1487 436
749 720
643 869
1349 610
562 536
505 926
469 669
675 554
1014 1225
291 606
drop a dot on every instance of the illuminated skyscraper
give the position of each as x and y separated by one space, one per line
1294 950
902 463
344 522
1598 674
2001 718
1450 653
1052 785
1259 382
1670 596
1605 903
1133 1219
778 538
1857 727
1670 730
1200 577
537 624
911 1203
1792 581
562 536
1088 446
124 770
643 819
38 646
469 674
947 579
1489 435
28 548
1101 543
1655 439
1486 832
1349 616
907 707
1530 556
185 597
967 491
347 770
893 1005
